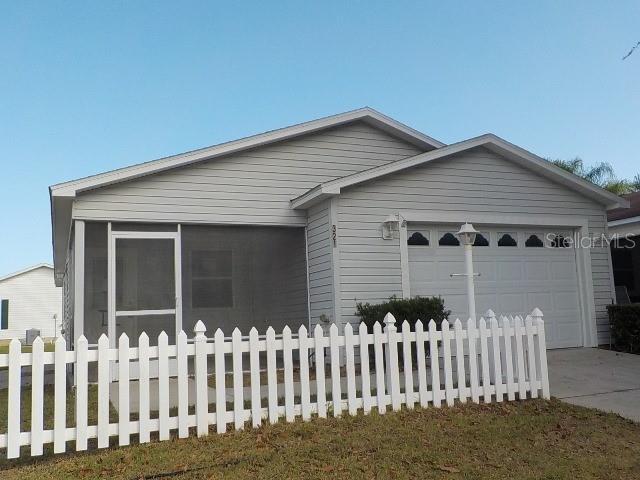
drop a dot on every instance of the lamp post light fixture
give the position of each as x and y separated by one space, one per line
467 235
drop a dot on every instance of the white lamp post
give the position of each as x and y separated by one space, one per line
467 236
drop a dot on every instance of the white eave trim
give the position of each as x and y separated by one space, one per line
490 141
624 221
375 118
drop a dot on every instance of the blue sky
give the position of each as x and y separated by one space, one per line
95 85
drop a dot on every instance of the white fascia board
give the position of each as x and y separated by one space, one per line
490 141
624 221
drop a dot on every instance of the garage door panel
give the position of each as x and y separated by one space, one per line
536 270
541 300
564 301
486 269
444 269
512 281
509 270
512 303
563 270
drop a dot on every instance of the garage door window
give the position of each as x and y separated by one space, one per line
481 241
534 241
508 240
448 240
419 238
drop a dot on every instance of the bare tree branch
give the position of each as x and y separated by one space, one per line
631 51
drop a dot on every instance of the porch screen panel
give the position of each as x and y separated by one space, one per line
242 277
145 274
95 281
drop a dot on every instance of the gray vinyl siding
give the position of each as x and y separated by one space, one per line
475 181
251 187
321 292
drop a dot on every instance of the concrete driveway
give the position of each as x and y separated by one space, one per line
596 378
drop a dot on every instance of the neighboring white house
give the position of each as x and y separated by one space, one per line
30 299
301 223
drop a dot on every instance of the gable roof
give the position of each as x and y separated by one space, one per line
366 114
62 194
26 270
489 141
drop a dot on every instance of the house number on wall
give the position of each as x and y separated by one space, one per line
334 235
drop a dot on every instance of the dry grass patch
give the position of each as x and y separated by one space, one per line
532 439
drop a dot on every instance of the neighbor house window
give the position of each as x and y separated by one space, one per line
508 240
418 238
448 240
533 241
480 241
211 279
4 315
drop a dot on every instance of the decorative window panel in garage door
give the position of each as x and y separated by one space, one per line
520 268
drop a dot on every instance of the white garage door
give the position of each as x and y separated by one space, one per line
520 269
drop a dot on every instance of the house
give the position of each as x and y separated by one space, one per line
624 223
29 299
299 224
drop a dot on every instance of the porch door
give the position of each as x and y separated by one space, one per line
144 288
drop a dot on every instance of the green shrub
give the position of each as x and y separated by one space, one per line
625 327
410 309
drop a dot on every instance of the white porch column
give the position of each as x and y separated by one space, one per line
78 280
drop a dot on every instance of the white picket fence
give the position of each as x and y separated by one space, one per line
501 358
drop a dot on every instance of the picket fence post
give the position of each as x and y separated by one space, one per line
37 400
378 341
472 339
305 397
238 379
13 403
422 367
221 382
60 396
144 391
336 393
507 331
393 372
200 372
103 391
435 365
531 358
364 368
254 364
321 396
522 390
542 352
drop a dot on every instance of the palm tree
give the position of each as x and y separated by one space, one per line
619 186
601 174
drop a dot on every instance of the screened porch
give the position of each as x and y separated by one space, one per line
159 277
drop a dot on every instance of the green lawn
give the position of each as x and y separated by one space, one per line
532 439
